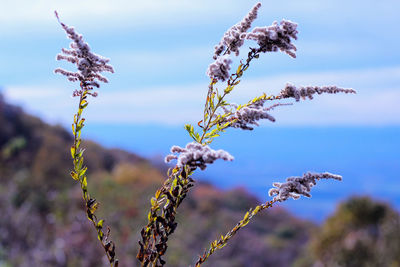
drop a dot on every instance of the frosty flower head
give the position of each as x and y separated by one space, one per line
196 155
232 41
291 91
275 37
219 69
89 64
298 186
249 115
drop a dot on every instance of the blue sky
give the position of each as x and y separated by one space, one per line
161 49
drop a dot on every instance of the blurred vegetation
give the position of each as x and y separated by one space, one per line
43 222
362 232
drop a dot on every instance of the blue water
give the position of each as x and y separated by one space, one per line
368 158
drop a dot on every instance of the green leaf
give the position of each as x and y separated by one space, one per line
189 128
74 175
83 104
94 207
153 201
80 163
226 124
78 143
228 89
100 235
239 69
211 101
158 193
73 151
83 171
80 124
81 152
84 183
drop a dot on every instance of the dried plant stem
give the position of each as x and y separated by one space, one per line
164 204
161 218
79 174
218 244
210 119
218 116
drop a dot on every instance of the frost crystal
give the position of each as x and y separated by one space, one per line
232 40
297 186
197 155
303 92
275 37
89 64
219 69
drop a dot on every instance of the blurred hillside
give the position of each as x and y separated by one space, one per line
362 232
43 221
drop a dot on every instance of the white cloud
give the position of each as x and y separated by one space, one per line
375 104
135 13
102 13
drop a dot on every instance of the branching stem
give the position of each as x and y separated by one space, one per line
79 174
219 244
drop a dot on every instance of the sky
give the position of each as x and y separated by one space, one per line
161 49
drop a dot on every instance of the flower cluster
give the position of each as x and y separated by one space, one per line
275 37
89 64
220 68
232 40
196 155
250 114
302 92
297 186
270 39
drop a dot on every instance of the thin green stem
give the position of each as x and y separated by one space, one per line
207 127
79 174
219 244
232 81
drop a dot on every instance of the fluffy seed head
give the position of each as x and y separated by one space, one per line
196 155
89 65
295 187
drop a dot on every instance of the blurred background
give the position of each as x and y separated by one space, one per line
160 51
